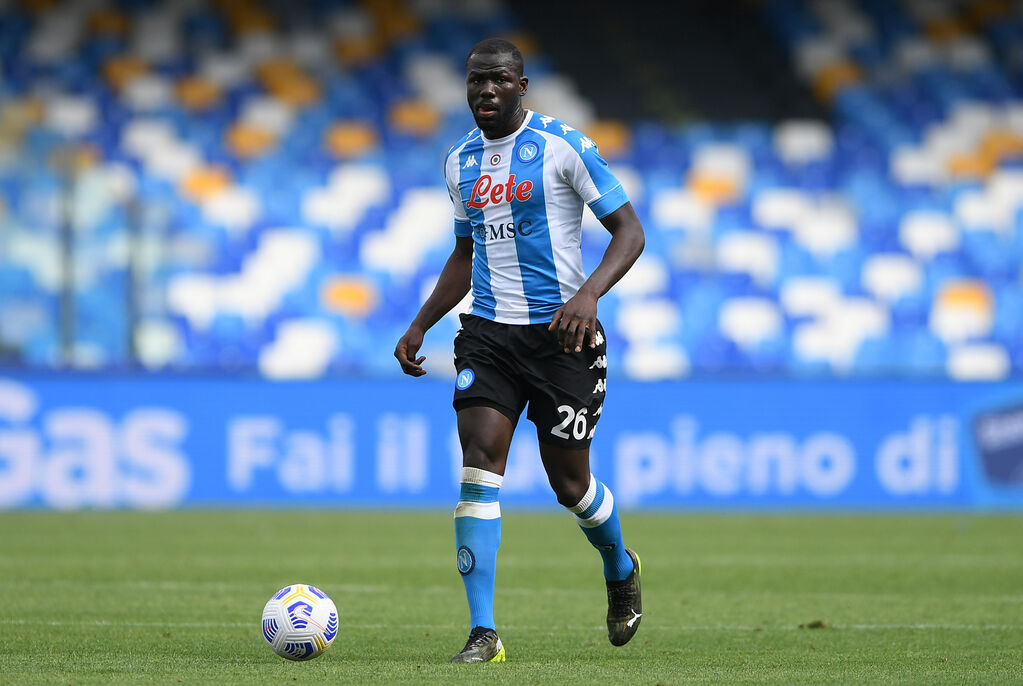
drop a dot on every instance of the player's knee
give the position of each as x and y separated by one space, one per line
483 456
569 491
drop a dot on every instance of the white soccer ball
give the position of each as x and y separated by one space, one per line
300 622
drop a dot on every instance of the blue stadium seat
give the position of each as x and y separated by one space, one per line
917 129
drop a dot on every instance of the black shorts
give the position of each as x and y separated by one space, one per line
507 366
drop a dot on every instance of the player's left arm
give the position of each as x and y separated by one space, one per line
579 314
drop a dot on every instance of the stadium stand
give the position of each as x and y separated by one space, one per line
233 185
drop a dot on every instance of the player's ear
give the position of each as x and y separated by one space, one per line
523 84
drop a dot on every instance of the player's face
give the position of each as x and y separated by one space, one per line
494 89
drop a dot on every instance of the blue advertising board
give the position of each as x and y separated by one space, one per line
100 441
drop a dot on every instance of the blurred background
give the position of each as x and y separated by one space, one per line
217 218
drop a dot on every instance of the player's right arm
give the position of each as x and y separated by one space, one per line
452 285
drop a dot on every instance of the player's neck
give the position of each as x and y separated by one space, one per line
508 128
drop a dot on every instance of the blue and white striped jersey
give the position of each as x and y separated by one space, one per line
521 199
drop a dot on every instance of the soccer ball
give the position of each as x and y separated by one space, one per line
300 622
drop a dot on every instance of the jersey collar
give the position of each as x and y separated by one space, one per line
510 136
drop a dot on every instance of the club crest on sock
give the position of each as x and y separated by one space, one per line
466 560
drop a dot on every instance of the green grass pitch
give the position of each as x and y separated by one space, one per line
127 597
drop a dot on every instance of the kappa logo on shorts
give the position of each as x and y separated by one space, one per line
465 379
466 560
527 151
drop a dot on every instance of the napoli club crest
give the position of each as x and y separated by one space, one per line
466 560
527 152
465 379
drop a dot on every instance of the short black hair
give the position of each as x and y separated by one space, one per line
497 46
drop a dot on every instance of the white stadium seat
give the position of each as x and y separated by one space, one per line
682 209
801 141
925 233
235 208
750 321
815 296
302 350
889 277
648 320
647 361
978 362
749 252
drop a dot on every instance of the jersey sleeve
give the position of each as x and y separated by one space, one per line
589 174
462 226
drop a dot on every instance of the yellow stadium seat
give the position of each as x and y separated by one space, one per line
612 137
298 92
943 29
392 19
288 82
108 22
1000 144
77 158
197 94
396 24
350 296
712 188
356 50
833 78
350 139
204 182
970 165
119 70
963 309
969 294
37 6
980 13
17 115
248 18
273 72
414 117
86 155
525 42
246 140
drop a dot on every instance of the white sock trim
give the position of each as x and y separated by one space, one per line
475 475
478 510
603 512
591 493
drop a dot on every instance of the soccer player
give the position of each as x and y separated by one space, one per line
518 183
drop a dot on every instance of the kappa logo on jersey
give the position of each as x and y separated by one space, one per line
471 162
585 144
600 362
527 151
546 120
465 379
489 192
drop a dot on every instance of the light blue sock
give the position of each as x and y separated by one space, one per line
597 516
477 537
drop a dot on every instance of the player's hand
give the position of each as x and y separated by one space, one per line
573 320
405 351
